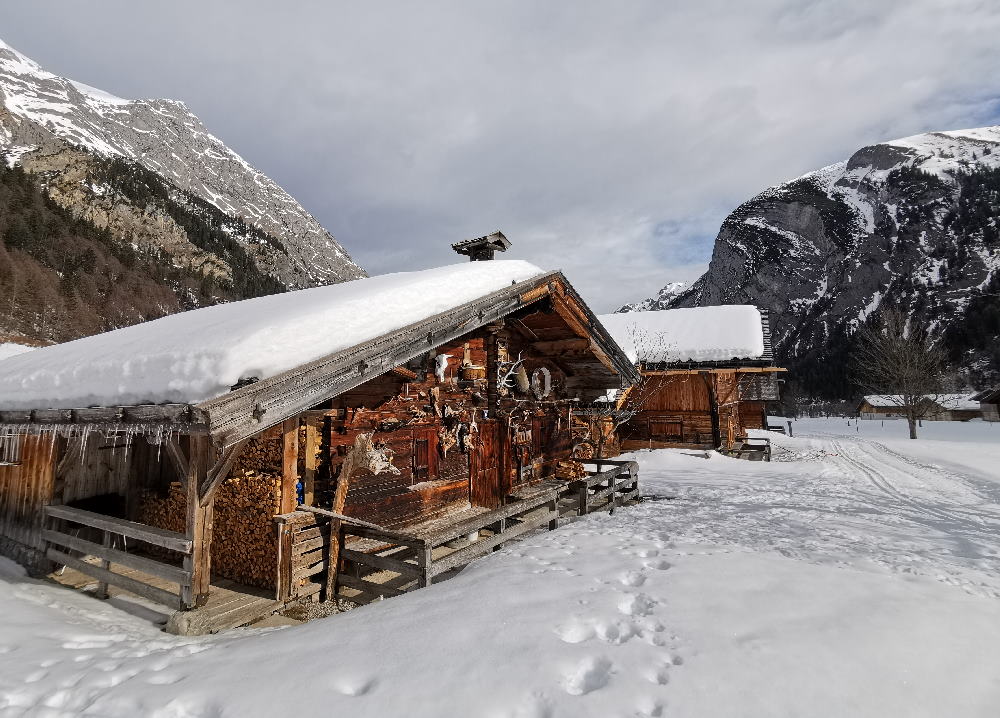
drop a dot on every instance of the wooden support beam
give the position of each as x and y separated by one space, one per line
289 465
313 436
177 458
356 454
218 473
199 525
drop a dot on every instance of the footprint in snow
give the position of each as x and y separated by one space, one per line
632 578
590 674
659 565
616 633
649 707
647 553
636 604
575 631
354 686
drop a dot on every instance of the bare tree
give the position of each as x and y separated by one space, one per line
894 357
609 414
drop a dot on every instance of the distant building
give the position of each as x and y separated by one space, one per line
934 407
706 375
881 406
989 403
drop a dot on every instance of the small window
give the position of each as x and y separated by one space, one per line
10 449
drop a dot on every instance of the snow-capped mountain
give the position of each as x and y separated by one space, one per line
662 299
64 130
914 222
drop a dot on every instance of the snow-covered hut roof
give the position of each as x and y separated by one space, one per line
894 401
951 402
11 349
988 396
200 354
957 402
701 334
235 369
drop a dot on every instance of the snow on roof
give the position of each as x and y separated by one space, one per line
701 334
893 400
200 354
10 349
955 402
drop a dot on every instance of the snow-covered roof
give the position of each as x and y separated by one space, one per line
198 355
885 400
701 334
954 402
957 402
10 349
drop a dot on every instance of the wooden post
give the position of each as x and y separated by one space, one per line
311 463
102 586
283 588
424 559
713 405
362 443
199 524
289 465
554 508
584 507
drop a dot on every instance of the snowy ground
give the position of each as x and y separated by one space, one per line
855 575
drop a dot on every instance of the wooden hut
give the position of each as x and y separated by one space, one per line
419 419
707 374
989 403
881 406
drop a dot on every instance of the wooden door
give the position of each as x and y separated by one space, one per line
484 467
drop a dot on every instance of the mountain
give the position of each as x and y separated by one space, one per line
662 300
115 211
911 223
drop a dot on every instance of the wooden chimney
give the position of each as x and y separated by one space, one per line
481 249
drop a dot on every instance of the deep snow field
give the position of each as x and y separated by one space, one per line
857 574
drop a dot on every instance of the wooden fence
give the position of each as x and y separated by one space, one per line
72 529
381 563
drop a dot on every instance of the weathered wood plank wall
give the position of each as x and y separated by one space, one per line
25 489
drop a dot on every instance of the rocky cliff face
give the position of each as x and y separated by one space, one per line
913 222
67 133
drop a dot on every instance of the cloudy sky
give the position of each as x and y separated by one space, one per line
606 139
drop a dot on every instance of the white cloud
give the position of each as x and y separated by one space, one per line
609 139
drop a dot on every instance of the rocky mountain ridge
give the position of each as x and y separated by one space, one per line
66 133
914 222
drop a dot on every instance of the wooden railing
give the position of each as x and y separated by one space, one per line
108 527
606 488
386 563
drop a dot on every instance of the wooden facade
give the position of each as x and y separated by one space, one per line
456 416
702 407
989 403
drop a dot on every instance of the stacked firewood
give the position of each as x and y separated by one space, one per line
166 512
244 538
570 470
244 548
